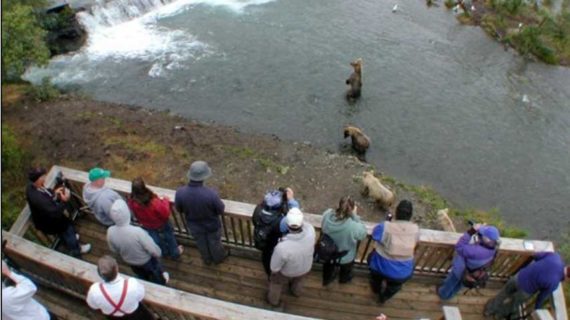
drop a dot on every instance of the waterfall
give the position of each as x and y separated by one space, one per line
114 12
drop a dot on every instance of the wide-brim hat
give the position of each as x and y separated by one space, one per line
199 171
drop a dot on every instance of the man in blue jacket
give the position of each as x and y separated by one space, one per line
470 256
391 263
542 276
203 208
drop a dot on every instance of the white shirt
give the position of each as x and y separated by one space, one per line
135 293
17 301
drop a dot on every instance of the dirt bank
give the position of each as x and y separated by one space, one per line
131 141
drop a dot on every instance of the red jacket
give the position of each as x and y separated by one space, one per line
153 216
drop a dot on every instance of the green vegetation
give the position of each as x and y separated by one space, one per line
13 177
530 29
564 249
46 91
22 40
432 199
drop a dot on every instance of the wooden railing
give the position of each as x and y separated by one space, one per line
74 277
433 255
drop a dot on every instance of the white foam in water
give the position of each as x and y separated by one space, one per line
128 29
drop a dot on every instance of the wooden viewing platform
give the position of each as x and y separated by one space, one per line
236 288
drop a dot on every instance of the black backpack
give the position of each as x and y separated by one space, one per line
477 278
263 226
326 250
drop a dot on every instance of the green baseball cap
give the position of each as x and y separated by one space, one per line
98 173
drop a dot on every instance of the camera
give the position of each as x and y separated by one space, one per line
60 181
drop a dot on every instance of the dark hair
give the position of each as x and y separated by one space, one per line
107 268
345 207
140 193
404 210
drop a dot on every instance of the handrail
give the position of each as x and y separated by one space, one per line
433 256
76 276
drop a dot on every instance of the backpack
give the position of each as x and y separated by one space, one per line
326 250
475 279
263 226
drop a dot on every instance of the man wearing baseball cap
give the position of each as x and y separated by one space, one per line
47 207
98 197
542 276
292 258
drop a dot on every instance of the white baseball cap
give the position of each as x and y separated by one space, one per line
294 218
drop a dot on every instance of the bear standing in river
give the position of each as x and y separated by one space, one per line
355 81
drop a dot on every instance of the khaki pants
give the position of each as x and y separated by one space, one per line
276 282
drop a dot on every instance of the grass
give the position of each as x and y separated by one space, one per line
564 249
530 30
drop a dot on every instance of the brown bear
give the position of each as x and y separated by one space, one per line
360 141
355 81
377 191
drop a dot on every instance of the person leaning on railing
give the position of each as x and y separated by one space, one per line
343 225
153 214
99 197
542 276
47 207
203 209
17 298
117 297
470 257
391 263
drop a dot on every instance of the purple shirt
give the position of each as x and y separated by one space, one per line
470 255
201 205
543 275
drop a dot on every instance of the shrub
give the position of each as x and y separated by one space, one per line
46 91
13 178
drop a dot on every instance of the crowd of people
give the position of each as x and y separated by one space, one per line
282 234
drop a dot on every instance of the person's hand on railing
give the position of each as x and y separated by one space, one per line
290 194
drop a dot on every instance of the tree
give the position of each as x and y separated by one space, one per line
22 41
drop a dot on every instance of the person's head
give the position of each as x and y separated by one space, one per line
37 176
107 268
489 236
273 200
345 208
139 191
404 210
97 177
199 171
294 220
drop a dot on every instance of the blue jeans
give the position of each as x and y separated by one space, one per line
150 271
164 238
450 287
70 241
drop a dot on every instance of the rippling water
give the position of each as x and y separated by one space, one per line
443 103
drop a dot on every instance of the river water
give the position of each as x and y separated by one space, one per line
444 104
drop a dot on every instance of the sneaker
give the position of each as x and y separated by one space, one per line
180 249
77 236
85 248
166 276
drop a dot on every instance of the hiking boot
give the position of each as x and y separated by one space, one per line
85 248
166 276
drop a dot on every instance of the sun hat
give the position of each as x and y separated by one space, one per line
199 171
35 173
294 218
98 173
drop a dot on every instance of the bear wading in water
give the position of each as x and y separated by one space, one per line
355 81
